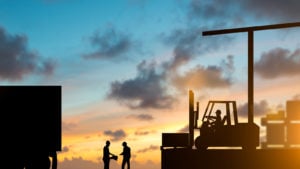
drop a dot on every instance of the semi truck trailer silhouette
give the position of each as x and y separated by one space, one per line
31 126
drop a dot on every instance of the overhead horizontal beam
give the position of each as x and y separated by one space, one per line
252 28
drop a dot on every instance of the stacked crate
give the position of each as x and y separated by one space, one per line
283 128
293 123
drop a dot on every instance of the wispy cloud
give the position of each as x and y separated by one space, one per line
109 44
142 132
141 117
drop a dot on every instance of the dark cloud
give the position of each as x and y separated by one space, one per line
150 148
221 13
232 13
260 109
16 60
185 42
142 117
278 62
147 90
109 44
283 10
64 149
115 135
189 43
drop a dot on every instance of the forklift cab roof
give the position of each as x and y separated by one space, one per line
229 107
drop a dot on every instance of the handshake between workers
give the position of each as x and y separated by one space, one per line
107 155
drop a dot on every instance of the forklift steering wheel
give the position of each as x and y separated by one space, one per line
210 119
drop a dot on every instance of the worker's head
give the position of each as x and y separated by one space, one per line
218 112
107 143
124 144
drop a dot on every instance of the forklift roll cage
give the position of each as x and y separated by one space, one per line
210 107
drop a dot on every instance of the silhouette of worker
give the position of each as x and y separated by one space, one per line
126 155
218 119
107 155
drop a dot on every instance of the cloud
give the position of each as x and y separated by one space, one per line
142 133
219 12
16 60
188 43
230 12
115 135
150 148
284 10
109 44
64 149
149 88
228 65
68 126
185 42
202 77
260 109
142 117
278 62
146 90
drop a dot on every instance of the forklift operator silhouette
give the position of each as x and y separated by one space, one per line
218 121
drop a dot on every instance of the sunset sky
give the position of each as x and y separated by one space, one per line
126 66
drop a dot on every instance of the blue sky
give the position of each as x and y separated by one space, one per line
126 65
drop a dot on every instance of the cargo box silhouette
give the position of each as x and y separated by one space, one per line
282 128
31 120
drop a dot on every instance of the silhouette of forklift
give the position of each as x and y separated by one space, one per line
243 134
217 130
